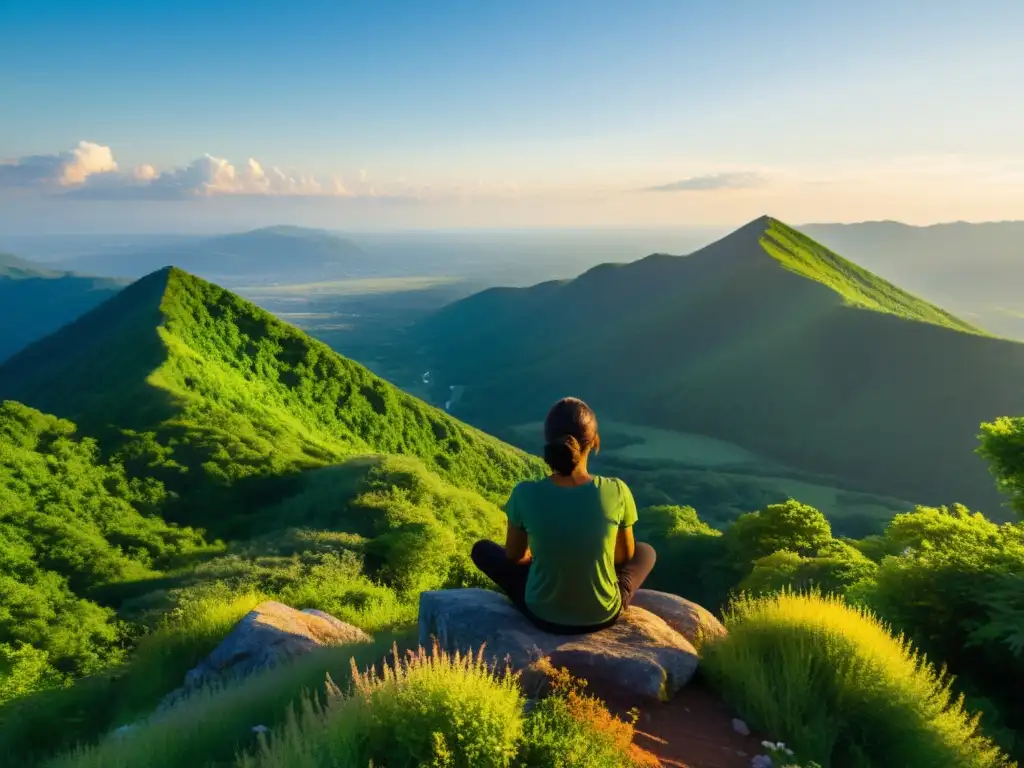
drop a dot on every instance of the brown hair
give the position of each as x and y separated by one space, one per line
570 430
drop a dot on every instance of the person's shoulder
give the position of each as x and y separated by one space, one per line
612 485
528 486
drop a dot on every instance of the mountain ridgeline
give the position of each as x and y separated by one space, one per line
36 301
977 270
187 383
764 338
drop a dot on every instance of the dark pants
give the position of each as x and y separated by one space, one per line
490 558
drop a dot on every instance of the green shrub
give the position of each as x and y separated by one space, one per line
423 710
838 688
571 728
213 726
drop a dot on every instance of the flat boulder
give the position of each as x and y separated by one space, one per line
271 633
692 621
639 656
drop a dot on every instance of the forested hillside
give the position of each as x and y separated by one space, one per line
187 383
763 338
37 301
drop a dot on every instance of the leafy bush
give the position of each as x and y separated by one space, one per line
840 689
421 710
571 728
1002 445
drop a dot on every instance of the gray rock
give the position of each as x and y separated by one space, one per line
640 655
268 635
692 621
740 727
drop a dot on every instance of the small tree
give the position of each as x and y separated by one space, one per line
1002 446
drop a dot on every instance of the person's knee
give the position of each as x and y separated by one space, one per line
646 551
481 551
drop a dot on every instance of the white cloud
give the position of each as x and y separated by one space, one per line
65 169
144 172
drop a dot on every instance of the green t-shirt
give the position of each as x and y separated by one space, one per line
572 532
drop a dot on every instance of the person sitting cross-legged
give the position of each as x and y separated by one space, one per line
569 563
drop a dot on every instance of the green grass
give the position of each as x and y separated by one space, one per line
833 684
341 706
120 695
212 727
858 286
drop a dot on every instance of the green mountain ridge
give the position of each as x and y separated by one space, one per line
858 286
973 269
176 373
763 338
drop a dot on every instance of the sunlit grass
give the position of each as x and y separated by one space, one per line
834 684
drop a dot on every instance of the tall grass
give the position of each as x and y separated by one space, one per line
42 724
212 727
836 686
423 710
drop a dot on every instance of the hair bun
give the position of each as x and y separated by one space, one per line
564 454
572 445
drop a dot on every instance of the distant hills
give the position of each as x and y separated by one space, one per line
764 338
296 254
36 301
975 269
216 399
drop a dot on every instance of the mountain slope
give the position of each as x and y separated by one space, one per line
975 269
763 338
37 301
190 384
295 252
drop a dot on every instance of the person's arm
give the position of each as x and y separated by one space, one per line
625 546
517 545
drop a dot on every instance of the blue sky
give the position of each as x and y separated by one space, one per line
528 113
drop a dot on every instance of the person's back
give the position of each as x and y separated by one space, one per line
569 560
572 532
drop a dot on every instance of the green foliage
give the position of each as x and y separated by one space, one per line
955 590
422 710
224 404
213 726
838 688
25 670
1002 446
836 567
40 724
571 728
792 526
69 523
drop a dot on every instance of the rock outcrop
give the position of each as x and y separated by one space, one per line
270 634
642 655
692 621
